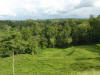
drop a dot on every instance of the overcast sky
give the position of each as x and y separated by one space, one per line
48 9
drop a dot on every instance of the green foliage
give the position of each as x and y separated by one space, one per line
98 45
81 33
28 37
64 36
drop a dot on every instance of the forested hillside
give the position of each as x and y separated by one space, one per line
32 36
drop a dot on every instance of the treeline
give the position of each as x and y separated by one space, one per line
31 36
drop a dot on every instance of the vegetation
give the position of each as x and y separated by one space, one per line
30 38
75 60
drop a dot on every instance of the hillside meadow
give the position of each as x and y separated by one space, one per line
76 60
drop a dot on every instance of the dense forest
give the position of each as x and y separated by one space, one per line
32 36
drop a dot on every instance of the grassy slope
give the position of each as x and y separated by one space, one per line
51 61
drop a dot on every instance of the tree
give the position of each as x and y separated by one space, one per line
81 33
64 37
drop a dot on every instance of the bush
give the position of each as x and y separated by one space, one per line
5 52
98 45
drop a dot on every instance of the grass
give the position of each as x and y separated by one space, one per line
76 60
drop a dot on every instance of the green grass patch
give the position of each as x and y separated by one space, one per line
52 61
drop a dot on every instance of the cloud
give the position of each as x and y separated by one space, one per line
45 9
86 3
97 3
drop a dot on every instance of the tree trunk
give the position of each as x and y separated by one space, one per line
13 64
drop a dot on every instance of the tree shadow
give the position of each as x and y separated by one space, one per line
92 48
96 58
71 53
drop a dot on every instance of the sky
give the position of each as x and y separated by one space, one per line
48 9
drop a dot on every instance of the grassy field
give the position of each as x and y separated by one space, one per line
76 60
